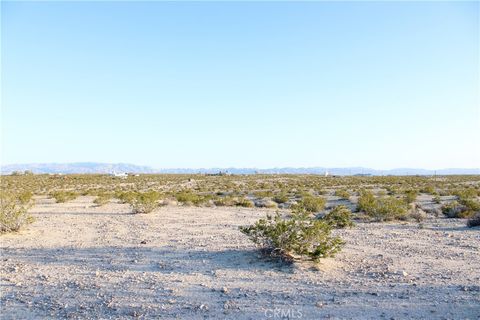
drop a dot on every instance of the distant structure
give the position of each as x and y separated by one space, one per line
219 173
121 175
326 173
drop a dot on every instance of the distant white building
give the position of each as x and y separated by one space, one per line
122 175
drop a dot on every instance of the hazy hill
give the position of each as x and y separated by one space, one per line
77 167
95 167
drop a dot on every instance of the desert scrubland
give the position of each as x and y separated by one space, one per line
177 246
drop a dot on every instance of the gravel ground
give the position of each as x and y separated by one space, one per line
80 261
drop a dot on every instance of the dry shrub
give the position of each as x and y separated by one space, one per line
382 209
474 221
417 213
340 217
145 202
13 212
300 237
281 198
455 209
63 196
102 199
310 204
343 194
266 203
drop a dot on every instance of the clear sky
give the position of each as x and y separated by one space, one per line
380 85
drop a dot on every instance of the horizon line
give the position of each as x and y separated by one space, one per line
237 167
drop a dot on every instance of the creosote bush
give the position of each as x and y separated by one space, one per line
366 202
63 196
145 202
299 237
125 196
13 212
382 209
455 209
25 197
102 199
244 202
190 198
310 204
340 217
226 201
344 194
281 198
410 196
470 204
429 189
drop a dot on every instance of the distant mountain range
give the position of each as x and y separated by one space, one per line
95 167
76 167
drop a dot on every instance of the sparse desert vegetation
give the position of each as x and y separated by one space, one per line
14 211
296 237
208 234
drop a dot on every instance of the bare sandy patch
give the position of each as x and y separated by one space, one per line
82 261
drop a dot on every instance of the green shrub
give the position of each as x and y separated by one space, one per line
102 199
189 198
125 196
25 197
344 194
281 198
244 202
437 199
366 202
299 237
13 213
310 204
322 192
467 193
263 194
145 202
392 190
226 201
456 210
411 196
389 208
383 208
63 196
429 189
340 217
382 193
471 204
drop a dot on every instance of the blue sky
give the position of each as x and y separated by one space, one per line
380 85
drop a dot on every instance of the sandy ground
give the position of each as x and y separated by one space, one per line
82 261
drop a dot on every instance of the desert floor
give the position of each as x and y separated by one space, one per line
82 261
